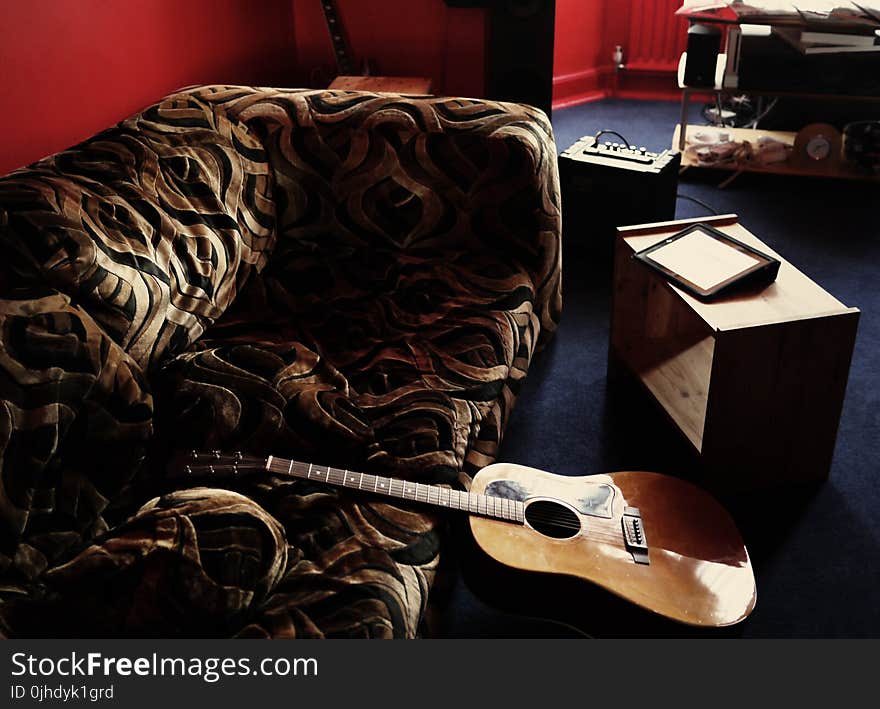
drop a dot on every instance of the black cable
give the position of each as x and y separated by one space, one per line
612 132
697 201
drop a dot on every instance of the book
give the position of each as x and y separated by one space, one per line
827 42
837 39
840 49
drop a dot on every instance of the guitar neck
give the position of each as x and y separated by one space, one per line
337 37
500 508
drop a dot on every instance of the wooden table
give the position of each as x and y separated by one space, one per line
388 84
755 382
792 166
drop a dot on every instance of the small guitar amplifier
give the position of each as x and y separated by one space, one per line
608 184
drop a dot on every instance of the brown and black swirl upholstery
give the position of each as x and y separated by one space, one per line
348 278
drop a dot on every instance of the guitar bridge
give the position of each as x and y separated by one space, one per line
634 535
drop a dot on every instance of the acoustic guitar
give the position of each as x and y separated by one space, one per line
654 540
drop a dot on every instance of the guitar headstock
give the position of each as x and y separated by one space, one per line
206 464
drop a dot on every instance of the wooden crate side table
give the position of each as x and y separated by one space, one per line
755 382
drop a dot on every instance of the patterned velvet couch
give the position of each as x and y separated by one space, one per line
347 278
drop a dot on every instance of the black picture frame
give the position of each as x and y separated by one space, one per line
763 272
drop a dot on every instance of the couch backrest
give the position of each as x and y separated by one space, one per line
151 226
363 177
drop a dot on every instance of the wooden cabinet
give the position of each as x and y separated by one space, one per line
755 381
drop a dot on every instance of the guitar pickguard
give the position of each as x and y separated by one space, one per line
595 501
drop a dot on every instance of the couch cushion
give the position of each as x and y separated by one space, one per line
357 566
75 419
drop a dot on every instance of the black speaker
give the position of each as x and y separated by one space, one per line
703 45
520 52
606 185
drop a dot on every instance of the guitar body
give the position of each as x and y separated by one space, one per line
689 564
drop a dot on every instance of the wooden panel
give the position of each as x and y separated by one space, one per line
386 84
676 224
777 394
680 384
662 341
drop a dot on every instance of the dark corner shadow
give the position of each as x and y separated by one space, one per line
635 435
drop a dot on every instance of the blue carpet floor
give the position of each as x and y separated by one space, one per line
816 551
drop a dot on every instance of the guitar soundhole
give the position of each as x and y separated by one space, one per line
552 519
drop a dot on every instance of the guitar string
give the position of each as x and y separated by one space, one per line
594 529
540 517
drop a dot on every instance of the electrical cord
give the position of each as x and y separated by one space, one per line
705 206
754 122
610 132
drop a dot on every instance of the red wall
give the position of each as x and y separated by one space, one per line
579 59
401 38
587 31
73 67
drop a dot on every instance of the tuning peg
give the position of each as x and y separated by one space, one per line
238 456
188 470
211 469
216 454
194 454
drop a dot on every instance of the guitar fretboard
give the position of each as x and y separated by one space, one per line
340 48
473 503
